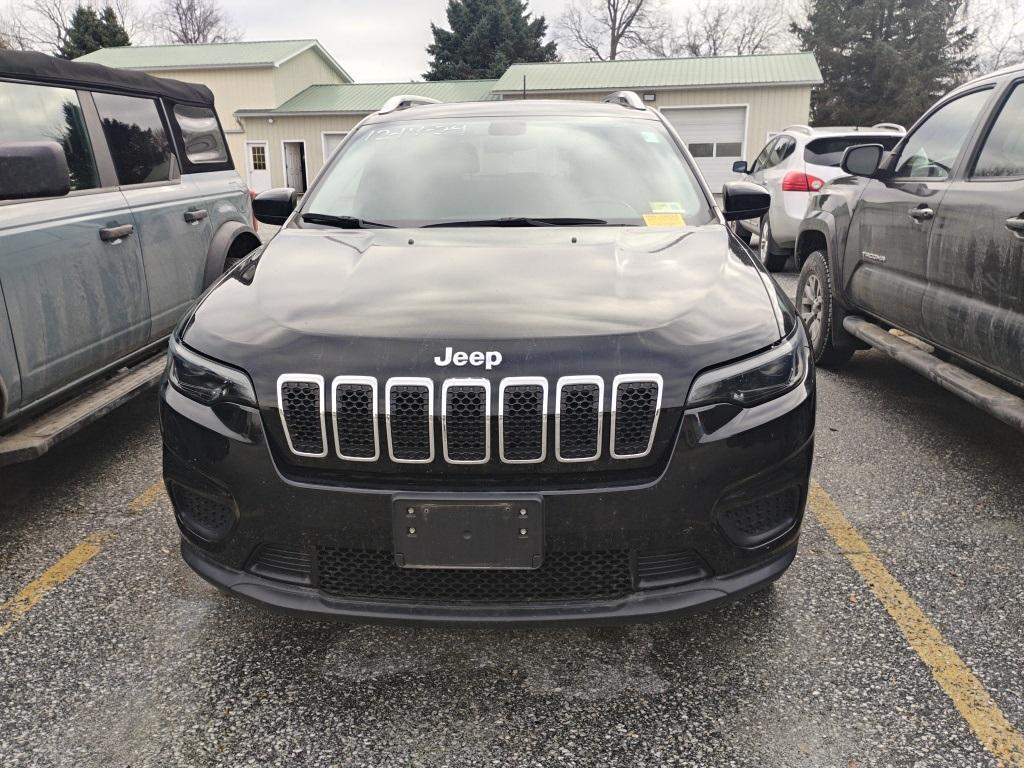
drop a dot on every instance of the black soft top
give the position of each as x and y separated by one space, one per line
38 67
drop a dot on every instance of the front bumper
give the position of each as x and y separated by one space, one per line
675 550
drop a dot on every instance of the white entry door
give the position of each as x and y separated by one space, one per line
715 137
295 165
258 171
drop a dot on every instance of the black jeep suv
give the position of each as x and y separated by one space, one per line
929 239
505 362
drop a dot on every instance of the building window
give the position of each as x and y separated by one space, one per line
259 157
729 149
702 149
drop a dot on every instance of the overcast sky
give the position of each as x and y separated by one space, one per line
374 40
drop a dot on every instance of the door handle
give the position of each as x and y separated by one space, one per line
1016 226
110 234
924 213
194 217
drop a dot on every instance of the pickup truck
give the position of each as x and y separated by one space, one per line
919 251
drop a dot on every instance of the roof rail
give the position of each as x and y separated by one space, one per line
396 103
890 127
799 127
628 99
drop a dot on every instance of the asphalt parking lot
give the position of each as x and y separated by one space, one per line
894 640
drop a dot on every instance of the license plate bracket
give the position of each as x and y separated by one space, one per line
468 534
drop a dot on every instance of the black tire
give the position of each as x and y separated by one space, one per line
768 250
816 306
744 234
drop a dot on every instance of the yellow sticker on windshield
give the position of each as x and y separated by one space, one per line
668 206
664 220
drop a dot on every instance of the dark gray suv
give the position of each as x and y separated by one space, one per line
119 204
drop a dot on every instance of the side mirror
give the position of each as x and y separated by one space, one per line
740 166
744 200
33 169
275 205
863 159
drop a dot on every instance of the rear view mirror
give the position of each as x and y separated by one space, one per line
740 166
275 205
863 159
33 169
744 200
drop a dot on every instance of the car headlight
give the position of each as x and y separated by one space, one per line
754 380
209 382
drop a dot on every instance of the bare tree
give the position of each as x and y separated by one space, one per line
1000 33
734 28
195 21
43 25
611 29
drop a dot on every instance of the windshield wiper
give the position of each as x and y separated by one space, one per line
343 222
521 221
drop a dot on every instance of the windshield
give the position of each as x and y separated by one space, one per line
554 170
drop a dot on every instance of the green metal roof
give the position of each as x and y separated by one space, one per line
369 97
662 73
265 53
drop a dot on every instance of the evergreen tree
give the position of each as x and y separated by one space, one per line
885 60
90 31
486 37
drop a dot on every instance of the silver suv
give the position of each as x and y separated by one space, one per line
793 165
119 204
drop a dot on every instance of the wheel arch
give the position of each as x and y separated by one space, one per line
233 239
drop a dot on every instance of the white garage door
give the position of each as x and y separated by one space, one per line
714 136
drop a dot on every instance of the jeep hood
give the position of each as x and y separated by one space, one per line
387 301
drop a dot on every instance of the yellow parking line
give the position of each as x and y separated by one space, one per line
16 607
147 497
962 686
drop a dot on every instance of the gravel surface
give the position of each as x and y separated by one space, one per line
135 661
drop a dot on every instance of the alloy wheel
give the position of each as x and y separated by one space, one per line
812 304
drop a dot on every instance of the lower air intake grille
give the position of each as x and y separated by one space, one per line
563 576
282 563
466 431
209 518
355 417
409 422
636 411
302 411
667 569
761 520
522 422
579 421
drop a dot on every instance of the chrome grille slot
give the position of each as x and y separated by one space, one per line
410 420
466 420
522 420
580 403
300 398
355 418
636 405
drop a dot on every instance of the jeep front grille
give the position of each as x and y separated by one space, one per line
578 418
636 402
301 400
523 420
465 407
410 420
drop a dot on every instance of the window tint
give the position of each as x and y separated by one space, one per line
762 158
201 134
829 151
1003 152
783 148
932 149
41 113
136 137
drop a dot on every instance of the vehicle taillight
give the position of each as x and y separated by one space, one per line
797 181
252 207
